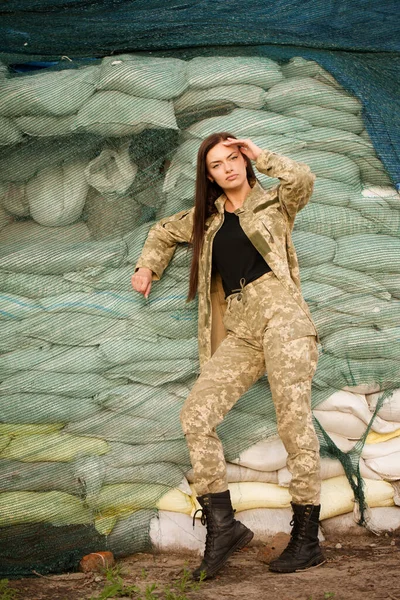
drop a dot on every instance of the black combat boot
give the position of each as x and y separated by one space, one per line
224 534
303 550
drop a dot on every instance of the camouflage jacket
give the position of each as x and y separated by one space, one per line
267 218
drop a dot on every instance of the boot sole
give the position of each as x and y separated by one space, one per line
241 543
312 565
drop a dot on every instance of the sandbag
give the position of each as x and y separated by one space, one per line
112 172
128 455
337 496
330 165
23 232
13 307
312 249
57 257
372 253
334 140
46 126
57 508
227 96
266 455
379 449
54 447
337 193
340 372
174 532
250 495
37 286
329 468
110 220
390 281
11 134
38 477
319 116
120 351
14 200
45 408
300 67
390 409
333 221
63 384
336 422
5 218
114 114
305 90
145 76
379 212
364 342
387 466
57 195
244 122
48 93
349 280
380 519
372 171
206 72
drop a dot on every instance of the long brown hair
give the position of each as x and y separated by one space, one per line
206 194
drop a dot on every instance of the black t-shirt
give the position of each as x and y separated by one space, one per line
234 256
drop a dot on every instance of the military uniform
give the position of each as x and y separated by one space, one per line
265 326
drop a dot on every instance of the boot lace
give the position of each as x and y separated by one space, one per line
211 529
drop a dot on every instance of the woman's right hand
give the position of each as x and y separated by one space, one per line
141 281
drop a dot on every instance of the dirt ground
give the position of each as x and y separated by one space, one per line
366 568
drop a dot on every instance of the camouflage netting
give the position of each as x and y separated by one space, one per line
93 376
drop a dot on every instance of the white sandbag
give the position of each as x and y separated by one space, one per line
236 473
319 116
244 122
382 449
329 468
46 126
206 72
387 466
389 193
30 231
48 93
11 134
390 409
267 455
381 519
174 532
112 172
57 195
14 199
114 114
337 496
145 76
305 90
227 96
343 424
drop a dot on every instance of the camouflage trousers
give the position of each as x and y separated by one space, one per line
267 331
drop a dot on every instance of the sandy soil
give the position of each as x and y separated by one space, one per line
365 568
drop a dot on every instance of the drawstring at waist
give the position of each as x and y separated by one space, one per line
240 290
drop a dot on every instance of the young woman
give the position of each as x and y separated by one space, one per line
252 319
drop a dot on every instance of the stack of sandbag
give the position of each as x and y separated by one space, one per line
93 376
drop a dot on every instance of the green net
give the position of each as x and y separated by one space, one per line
92 375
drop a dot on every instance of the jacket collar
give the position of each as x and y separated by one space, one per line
251 195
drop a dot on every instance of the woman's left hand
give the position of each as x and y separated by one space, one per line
247 147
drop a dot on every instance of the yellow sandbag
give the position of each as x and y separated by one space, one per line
4 441
376 438
105 525
54 447
124 498
247 495
57 508
337 496
28 429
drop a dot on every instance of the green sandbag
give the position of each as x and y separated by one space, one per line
22 162
54 447
127 497
13 307
29 232
145 76
179 324
300 67
37 477
380 212
23 430
61 384
205 72
349 280
319 116
46 126
135 241
120 351
337 193
9 132
58 359
305 90
4 441
341 372
114 427
243 122
138 400
12 336
155 372
320 293
369 310
114 114
159 473
55 258
372 171
334 140
364 343
333 221
390 281
330 165
130 455
38 286
221 97
102 278
313 249
131 534
53 507
371 253
118 305
48 93
45 408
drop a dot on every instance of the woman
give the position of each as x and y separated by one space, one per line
252 319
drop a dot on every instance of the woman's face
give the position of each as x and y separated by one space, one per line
226 166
